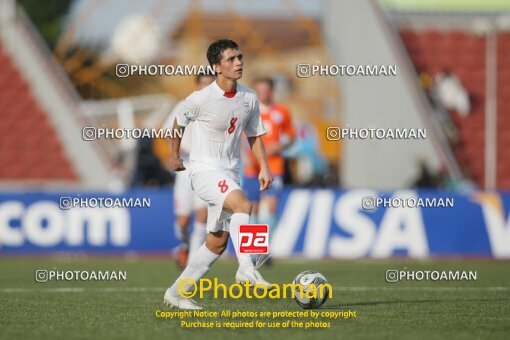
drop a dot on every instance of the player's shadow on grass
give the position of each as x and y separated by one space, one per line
373 303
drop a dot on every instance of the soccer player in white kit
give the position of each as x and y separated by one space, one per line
220 113
185 200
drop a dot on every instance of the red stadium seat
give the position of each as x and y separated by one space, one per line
464 54
29 146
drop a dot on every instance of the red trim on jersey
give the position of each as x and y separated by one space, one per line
230 94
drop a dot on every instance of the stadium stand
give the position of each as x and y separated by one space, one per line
464 54
41 126
503 122
29 147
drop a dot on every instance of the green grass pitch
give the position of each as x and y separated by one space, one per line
126 310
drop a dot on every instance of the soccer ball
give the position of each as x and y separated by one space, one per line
306 279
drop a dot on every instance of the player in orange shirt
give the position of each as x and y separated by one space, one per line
280 135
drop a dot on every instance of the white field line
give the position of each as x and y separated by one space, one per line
162 289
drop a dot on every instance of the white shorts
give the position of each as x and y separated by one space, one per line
213 186
185 200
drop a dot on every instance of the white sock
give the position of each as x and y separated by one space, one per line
197 238
236 220
198 266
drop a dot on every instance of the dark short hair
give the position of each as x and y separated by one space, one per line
266 80
216 49
203 75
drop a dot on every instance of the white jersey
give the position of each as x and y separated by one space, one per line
218 124
186 138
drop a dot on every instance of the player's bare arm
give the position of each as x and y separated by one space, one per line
265 176
175 162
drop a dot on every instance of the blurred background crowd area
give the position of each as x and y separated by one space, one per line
57 75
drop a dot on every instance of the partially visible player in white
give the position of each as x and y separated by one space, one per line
185 201
220 113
